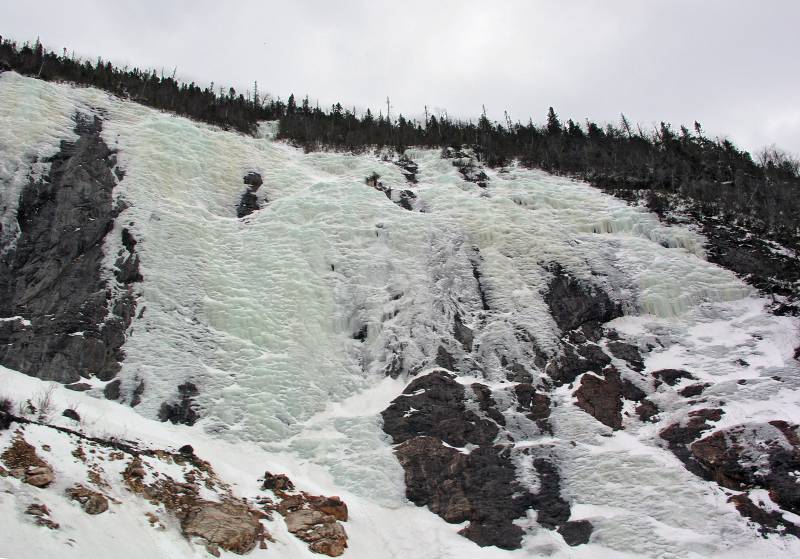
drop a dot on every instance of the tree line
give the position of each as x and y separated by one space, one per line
712 174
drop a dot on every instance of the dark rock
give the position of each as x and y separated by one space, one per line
487 404
576 532
253 180
445 360
535 405
480 487
602 398
183 411
6 417
186 450
628 353
440 412
79 387
277 482
671 376
361 335
518 373
573 362
127 265
462 333
754 455
768 521
91 501
111 390
551 508
471 173
632 392
247 204
593 331
406 199
693 390
573 303
136 397
409 168
680 435
646 410
53 275
70 413
475 261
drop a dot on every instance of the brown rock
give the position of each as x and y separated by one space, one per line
228 524
602 398
332 506
277 482
646 410
91 502
42 514
320 530
24 463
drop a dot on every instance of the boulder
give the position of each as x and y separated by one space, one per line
576 532
228 524
91 502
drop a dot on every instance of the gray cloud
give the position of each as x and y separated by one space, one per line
732 65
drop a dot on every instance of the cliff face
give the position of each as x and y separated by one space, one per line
493 359
71 322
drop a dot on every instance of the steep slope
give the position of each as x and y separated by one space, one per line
489 344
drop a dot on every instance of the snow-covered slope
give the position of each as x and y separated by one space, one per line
299 324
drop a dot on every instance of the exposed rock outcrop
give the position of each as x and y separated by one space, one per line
183 410
24 463
72 326
249 201
315 519
445 438
408 168
92 502
573 302
602 398
42 515
229 524
406 199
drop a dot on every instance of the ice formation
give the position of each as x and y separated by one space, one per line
288 320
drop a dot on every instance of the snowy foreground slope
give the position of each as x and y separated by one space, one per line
286 338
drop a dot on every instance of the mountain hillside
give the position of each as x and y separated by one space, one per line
218 343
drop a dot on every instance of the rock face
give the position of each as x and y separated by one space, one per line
742 458
602 398
454 466
574 303
71 325
440 412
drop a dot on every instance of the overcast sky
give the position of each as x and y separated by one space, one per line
732 65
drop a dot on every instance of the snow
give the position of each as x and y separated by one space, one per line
260 314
